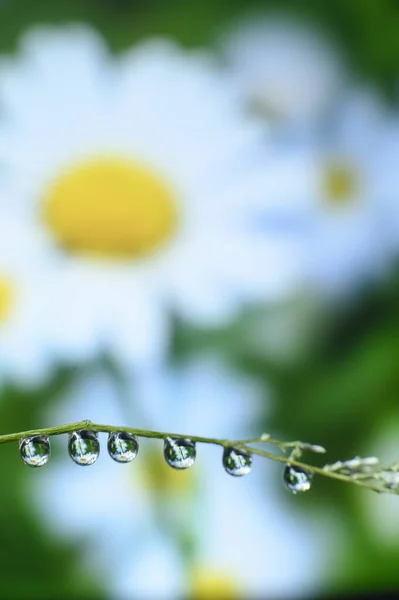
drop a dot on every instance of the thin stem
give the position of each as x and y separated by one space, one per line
324 472
359 479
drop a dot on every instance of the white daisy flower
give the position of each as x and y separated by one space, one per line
247 543
25 355
137 171
332 193
284 69
109 505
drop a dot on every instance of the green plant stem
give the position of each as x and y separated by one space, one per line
355 478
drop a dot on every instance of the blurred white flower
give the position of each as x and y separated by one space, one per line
332 193
133 518
246 540
24 341
284 69
137 172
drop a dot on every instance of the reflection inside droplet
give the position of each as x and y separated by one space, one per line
122 446
35 451
296 479
236 462
83 447
179 453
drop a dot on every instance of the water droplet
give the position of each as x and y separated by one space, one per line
35 451
179 453
296 479
83 447
237 462
122 446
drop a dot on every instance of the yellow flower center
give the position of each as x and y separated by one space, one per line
340 183
208 583
7 297
160 478
110 207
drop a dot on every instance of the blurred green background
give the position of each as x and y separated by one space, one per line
337 390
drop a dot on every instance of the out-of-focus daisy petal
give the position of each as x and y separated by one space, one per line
133 170
285 69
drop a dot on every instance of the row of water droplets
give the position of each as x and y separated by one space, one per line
179 453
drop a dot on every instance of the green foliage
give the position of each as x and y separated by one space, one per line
366 29
33 563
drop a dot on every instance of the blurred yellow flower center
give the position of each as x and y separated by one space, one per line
160 478
7 296
340 183
110 207
208 583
